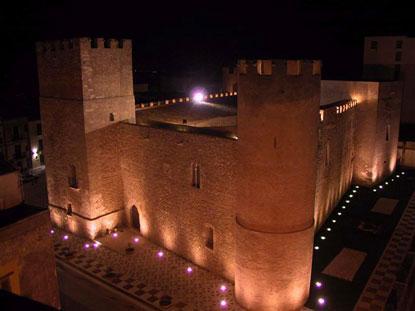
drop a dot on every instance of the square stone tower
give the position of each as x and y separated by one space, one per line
86 89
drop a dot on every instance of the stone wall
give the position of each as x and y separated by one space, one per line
11 190
27 251
157 176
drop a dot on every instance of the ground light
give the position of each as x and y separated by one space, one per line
86 245
223 303
189 270
223 288
344 207
339 213
374 190
316 248
328 229
115 234
136 240
160 254
333 220
323 237
65 237
52 231
354 191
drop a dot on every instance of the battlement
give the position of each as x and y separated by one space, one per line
75 43
269 67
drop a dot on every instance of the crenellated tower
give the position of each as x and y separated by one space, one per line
278 115
85 88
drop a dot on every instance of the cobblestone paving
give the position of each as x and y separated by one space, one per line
162 282
377 290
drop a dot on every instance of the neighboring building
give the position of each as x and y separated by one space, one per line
393 57
27 259
21 144
262 186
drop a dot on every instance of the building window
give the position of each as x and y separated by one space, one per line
40 144
209 237
399 44
196 175
398 56
73 182
373 45
264 67
388 132
112 117
120 43
69 210
293 67
94 43
39 129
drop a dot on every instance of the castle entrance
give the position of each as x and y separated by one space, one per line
135 218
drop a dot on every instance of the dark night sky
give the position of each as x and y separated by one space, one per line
199 36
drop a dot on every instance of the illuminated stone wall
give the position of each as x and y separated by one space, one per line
157 176
335 159
27 254
85 89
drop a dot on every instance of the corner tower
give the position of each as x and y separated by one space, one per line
85 88
278 111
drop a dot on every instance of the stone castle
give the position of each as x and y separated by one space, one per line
241 201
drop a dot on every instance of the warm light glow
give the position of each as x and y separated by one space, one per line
160 254
381 187
96 244
350 195
223 288
223 303
386 183
323 237
65 237
339 213
328 229
136 240
347 201
344 207
318 284
354 191
357 187
86 245
403 173
374 190
52 231
333 221
189 270
393 179
35 155
115 234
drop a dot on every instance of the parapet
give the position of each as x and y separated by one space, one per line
269 67
75 43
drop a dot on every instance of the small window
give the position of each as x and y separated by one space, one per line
94 43
112 117
73 182
120 43
196 175
316 67
388 132
399 44
264 67
69 210
70 44
39 129
373 45
398 56
209 237
107 43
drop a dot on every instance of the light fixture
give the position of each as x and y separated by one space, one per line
189 270
65 237
52 231
318 284
328 229
344 207
386 183
136 240
357 187
321 301
403 173
223 288
347 201
223 303
160 254
354 191
339 213
96 244
323 237
115 234
380 187
333 220
350 195
316 248
374 190
86 245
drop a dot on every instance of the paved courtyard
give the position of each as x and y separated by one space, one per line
162 280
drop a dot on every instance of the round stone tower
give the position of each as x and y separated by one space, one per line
278 115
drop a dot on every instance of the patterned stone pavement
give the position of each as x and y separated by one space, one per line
380 284
162 282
